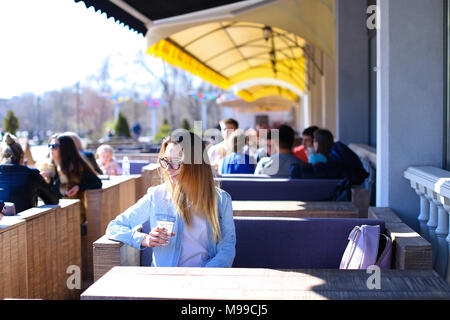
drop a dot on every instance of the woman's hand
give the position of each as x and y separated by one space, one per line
156 238
73 191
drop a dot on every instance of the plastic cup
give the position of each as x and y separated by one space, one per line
168 225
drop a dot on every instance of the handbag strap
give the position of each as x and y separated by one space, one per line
353 237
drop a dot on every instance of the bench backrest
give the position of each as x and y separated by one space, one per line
293 243
135 165
287 243
279 189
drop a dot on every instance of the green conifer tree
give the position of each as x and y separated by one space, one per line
11 122
121 128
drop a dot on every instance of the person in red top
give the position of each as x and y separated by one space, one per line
301 151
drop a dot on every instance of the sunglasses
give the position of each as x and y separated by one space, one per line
174 165
53 146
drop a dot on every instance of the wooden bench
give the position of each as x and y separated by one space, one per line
102 206
263 284
51 243
109 253
13 258
151 177
410 250
295 209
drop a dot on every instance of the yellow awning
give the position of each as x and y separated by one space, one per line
267 103
227 53
258 92
312 20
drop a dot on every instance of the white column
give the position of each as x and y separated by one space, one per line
424 214
403 84
441 235
324 102
432 225
306 112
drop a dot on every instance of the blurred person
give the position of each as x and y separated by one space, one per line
201 214
218 151
18 183
278 164
74 174
301 151
28 160
237 161
87 155
106 160
251 142
341 163
136 130
265 145
323 142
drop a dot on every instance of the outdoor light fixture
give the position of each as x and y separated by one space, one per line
267 32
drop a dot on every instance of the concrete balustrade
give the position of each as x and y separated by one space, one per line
432 185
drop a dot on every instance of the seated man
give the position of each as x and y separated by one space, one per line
278 164
218 151
301 151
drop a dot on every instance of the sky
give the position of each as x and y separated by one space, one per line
50 44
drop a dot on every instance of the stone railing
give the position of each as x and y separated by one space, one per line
432 185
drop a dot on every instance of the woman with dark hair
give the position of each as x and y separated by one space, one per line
191 220
323 142
18 183
73 174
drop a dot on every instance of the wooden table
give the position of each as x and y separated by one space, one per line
263 284
295 209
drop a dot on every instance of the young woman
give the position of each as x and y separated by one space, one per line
203 228
323 142
18 183
73 174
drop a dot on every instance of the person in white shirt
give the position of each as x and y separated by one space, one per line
218 151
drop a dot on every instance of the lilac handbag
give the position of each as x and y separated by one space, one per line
9 209
363 249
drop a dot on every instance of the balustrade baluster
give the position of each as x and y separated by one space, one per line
447 208
432 225
424 211
441 235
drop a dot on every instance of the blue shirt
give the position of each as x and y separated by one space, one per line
156 203
237 163
316 158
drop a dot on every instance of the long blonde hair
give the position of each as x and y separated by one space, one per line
195 190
